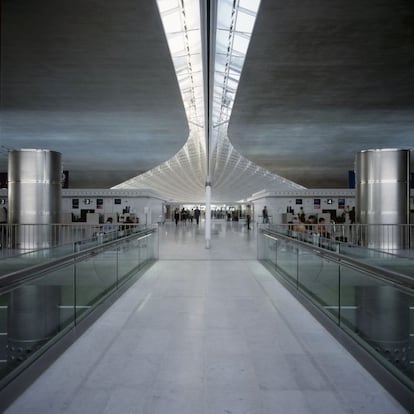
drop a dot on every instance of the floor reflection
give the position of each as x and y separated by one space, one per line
229 240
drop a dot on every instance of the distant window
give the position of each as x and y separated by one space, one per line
118 201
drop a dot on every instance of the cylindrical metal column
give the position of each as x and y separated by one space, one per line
35 177
382 209
33 319
382 197
35 181
383 320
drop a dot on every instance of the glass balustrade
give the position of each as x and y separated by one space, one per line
351 241
66 239
40 306
374 306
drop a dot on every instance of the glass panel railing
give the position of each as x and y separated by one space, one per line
351 241
374 306
26 259
96 277
286 259
144 249
17 239
318 278
41 304
378 315
69 239
129 257
34 315
393 262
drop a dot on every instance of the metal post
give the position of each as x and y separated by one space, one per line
208 215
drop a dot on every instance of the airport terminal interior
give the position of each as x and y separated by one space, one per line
206 206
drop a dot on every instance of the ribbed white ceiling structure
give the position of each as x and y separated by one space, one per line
208 148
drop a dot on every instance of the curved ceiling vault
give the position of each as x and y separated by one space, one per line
208 149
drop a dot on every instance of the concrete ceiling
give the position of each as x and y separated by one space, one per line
322 81
94 80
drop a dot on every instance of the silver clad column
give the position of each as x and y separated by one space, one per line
382 197
33 318
34 204
382 209
35 181
383 320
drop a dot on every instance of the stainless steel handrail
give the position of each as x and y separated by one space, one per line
19 277
387 238
18 240
404 282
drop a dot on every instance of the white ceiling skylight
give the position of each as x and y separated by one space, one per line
181 21
233 177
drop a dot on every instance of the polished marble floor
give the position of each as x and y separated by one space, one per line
206 331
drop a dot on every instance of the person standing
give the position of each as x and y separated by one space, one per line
197 215
3 227
176 216
265 215
248 215
108 227
302 215
352 215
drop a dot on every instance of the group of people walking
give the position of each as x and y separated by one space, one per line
185 215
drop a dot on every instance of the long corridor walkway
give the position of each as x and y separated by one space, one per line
206 332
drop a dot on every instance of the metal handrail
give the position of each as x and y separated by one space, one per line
19 277
20 239
385 238
393 278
